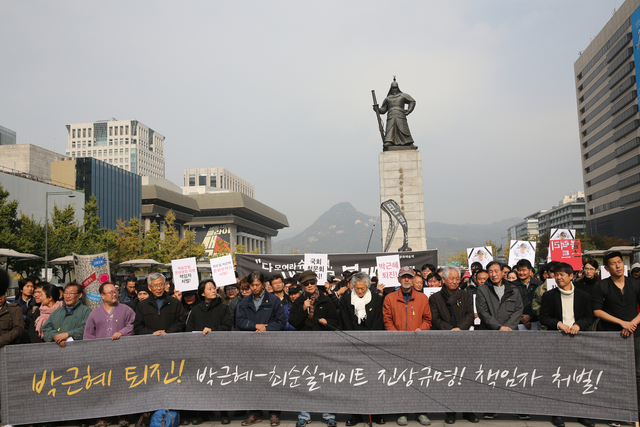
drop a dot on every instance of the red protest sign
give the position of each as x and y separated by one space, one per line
567 250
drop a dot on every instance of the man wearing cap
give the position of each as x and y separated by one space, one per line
407 310
615 302
313 311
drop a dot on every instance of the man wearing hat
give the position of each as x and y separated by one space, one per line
312 311
407 310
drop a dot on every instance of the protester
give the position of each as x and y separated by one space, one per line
452 310
527 286
313 312
260 312
11 322
418 283
189 300
110 320
160 313
407 310
434 280
211 314
142 293
277 285
568 310
548 272
615 302
635 271
129 292
25 301
68 321
589 277
498 302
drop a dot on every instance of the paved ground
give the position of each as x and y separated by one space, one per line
288 419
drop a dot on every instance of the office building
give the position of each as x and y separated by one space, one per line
118 192
607 99
211 180
126 144
28 159
220 220
7 136
568 214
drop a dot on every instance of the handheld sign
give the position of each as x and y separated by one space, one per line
483 255
566 250
429 291
319 264
522 249
388 267
222 271
185 274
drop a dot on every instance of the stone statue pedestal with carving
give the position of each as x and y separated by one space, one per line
401 180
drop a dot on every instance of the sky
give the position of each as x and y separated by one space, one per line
279 92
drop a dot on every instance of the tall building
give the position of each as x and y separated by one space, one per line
7 136
117 191
127 144
607 94
569 213
211 180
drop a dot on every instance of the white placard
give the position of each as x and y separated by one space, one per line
522 249
551 283
185 274
482 254
388 267
222 271
319 264
562 233
430 291
604 273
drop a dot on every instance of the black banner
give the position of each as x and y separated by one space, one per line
288 265
591 374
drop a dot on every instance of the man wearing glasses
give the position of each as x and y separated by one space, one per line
68 321
160 313
111 319
313 311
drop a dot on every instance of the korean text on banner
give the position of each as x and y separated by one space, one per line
222 271
388 267
185 274
319 264
567 250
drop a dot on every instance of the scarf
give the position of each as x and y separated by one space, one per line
314 297
451 299
45 312
359 305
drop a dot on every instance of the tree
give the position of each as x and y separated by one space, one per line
93 239
151 243
9 221
127 244
497 250
30 240
63 232
461 257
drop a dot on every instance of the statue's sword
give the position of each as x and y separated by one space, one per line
375 104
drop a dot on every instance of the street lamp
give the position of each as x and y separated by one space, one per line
46 223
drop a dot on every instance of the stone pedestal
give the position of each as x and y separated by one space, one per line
401 180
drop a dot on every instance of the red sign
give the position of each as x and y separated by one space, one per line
89 280
567 250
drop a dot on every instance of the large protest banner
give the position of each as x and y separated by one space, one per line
587 375
288 265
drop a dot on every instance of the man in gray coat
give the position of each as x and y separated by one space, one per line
498 302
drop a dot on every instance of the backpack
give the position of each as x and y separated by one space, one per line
165 418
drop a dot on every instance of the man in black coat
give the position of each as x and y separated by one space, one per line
313 311
160 313
361 309
527 286
567 309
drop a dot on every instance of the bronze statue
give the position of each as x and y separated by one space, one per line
397 133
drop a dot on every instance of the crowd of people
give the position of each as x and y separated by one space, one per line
506 299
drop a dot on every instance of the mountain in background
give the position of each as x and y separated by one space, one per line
342 229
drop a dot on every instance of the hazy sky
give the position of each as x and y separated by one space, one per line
279 92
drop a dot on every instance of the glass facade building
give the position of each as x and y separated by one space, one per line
7 136
117 191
